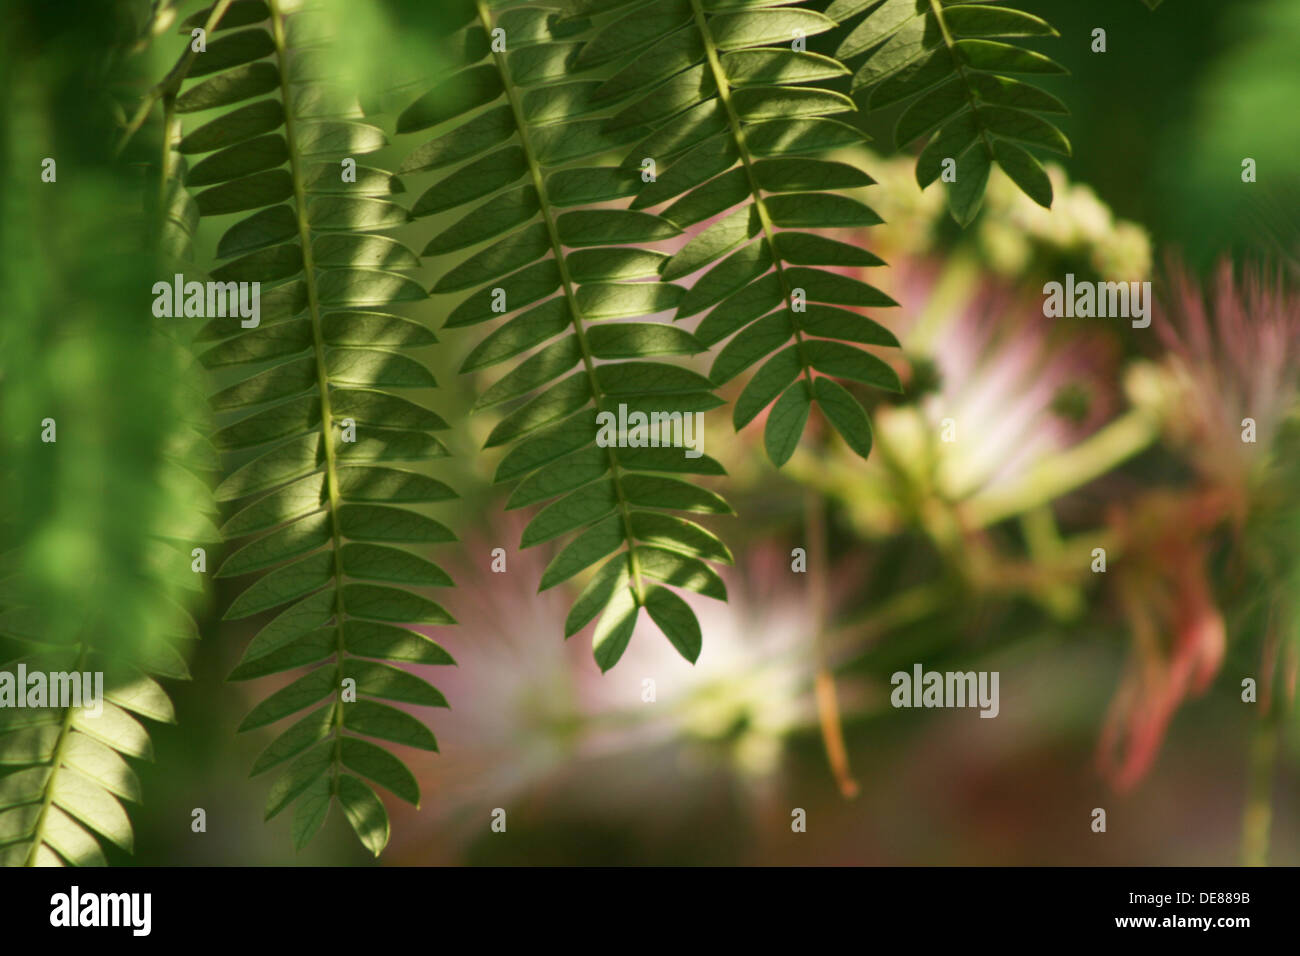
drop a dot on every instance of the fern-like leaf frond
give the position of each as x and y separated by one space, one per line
573 285
736 133
949 62
322 431
69 776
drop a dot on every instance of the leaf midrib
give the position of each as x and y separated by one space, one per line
570 291
747 162
936 7
322 373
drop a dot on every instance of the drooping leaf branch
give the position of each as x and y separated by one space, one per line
947 61
321 430
735 133
524 134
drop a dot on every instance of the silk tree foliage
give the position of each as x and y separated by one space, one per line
69 777
738 128
594 164
949 61
560 281
321 436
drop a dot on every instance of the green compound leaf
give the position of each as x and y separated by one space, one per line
68 777
740 153
948 61
571 293
327 445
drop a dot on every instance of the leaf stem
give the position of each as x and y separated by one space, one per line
170 84
937 9
738 134
570 291
322 367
